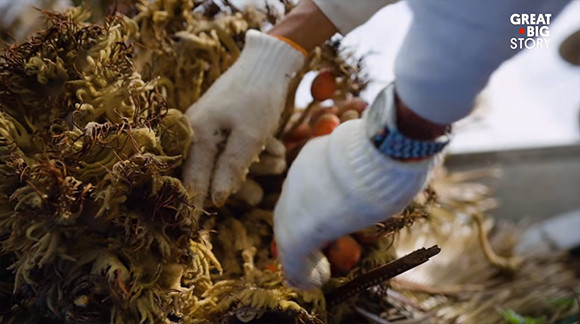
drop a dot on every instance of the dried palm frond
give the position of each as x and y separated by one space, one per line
478 277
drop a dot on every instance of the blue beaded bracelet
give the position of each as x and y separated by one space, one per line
396 145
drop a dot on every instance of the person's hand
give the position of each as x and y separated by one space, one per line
272 161
338 184
235 118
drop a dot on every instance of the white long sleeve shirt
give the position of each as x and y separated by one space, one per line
452 46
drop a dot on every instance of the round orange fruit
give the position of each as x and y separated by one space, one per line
323 85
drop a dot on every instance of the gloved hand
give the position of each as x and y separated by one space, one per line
238 114
338 184
272 161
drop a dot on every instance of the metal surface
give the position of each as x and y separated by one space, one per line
535 184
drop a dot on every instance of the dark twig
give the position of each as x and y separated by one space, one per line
380 274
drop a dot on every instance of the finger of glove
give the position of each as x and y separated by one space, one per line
302 206
233 164
307 272
269 164
250 192
275 147
199 164
304 266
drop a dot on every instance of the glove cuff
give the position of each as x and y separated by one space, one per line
381 129
265 55
383 183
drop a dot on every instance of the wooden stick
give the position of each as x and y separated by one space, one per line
381 274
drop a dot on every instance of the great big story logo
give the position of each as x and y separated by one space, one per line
533 28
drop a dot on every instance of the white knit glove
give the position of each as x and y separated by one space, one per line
239 112
338 184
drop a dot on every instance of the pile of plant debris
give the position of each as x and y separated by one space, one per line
96 226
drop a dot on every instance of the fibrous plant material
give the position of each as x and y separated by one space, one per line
94 226
188 45
463 286
468 282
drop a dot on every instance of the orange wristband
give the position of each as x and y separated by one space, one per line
292 43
